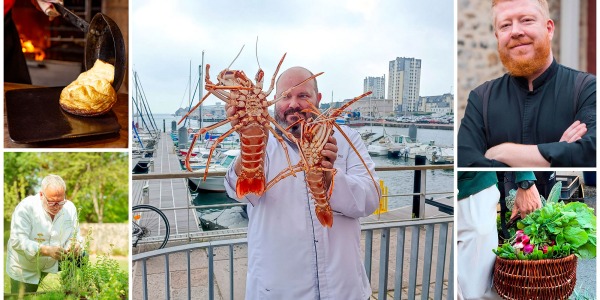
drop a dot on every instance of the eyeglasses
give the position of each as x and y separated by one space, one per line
54 204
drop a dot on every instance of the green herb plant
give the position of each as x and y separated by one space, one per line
100 280
556 230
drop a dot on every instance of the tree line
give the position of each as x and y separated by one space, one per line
97 182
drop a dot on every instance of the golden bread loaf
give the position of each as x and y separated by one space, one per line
91 94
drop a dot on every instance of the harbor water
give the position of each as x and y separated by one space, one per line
398 182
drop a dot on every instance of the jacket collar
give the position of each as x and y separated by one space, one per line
540 80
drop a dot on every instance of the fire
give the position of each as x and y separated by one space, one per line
28 47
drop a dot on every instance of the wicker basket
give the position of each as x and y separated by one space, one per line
535 279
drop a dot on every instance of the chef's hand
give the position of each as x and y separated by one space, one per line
55 252
75 248
47 7
330 154
230 110
526 201
574 132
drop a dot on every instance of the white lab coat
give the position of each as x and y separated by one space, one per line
30 227
290 254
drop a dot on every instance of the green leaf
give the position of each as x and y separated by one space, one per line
547 212
587 251
575 236
555 192
592 238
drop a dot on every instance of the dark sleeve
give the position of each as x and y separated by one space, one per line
472 143
524 175
583 152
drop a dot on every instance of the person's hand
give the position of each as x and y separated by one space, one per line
574 132
75 248
230 110
55 252
330 154
46 7
526 201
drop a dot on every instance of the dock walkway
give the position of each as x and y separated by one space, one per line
168 193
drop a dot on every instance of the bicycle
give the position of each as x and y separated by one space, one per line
150 228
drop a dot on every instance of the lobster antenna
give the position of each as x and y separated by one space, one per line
236 57
257 52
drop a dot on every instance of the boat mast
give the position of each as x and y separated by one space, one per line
201 68
190 85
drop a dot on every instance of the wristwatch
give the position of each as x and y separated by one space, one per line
526 184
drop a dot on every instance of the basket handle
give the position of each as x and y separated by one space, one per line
512 221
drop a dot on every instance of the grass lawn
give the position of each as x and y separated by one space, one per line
52 281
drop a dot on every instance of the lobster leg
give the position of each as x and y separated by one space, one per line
231 87
289 171
214 146
284 94
284 132
218 124
361 159
189 153
223 95
337 113
343 107
275 75
282 142
193 108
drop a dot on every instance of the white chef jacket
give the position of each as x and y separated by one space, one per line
290 254
30 227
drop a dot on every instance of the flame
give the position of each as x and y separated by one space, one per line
28 47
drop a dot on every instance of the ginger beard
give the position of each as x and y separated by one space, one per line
521 66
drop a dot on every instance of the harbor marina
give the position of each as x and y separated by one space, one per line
437 180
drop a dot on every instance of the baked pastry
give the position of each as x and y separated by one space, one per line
91 94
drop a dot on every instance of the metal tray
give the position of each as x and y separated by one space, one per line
34 115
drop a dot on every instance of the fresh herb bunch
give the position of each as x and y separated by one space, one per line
554 231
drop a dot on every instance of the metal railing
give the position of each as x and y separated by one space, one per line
394 238
190 235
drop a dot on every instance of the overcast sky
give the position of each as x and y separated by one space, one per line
347 39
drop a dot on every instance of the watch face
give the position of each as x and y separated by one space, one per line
525 184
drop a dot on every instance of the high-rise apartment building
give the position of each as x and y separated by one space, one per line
375 85
404 82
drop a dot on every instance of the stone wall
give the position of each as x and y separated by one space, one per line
477 56
105 235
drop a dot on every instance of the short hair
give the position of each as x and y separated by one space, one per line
53 181
303 68
543 5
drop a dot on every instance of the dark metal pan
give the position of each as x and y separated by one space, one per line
103 40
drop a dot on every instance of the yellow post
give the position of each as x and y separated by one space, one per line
383 201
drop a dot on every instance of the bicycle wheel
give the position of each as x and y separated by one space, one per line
150 228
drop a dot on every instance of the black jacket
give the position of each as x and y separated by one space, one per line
539 117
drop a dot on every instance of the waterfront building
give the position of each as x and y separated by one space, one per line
375 108
375 85
440 104
404 83
214 111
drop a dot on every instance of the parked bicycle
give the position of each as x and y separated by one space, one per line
150 228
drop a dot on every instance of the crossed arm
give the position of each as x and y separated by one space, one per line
518 155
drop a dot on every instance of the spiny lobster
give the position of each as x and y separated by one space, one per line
253 123
314 134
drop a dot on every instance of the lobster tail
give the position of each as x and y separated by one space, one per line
255 185
325 216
